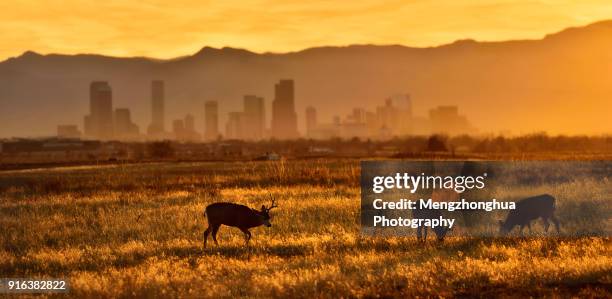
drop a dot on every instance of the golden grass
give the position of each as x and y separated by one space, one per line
136 231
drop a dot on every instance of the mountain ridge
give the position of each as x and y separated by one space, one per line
208 49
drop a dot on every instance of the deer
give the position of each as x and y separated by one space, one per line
422 230
236 215
529 209
436 195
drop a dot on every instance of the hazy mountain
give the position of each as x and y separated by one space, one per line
561 83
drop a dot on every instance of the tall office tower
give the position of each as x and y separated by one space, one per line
99 122
157 104
254 118
284 118
125 129
235 125
211 119
311 120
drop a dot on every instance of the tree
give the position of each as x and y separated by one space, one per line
435 143
161 149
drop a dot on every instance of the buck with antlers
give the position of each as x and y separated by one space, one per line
240 216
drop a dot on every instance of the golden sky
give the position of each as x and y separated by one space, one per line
166 28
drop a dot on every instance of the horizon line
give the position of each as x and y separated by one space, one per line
228 47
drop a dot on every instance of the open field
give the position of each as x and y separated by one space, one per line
136 231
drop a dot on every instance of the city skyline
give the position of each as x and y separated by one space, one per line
394 118
494 83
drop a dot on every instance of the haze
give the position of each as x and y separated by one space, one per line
166 29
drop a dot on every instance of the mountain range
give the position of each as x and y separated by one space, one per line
560 84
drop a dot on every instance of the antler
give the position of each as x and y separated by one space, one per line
273 205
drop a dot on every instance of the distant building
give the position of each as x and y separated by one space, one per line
284 118
357 116
190 132
125 129
394 118
311 120
234 126
372 123
157 128
99 122
68 131
446 120
178 129
387 117
184 129
254 118
354 125
325 131
211 115
189 123
403 110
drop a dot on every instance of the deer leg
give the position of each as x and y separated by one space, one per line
546 223
214 233
556 222
419 233
529 226
206 233
521 229
247 236
425 234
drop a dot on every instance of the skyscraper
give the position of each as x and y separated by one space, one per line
311 120
157 104
254 118
125 129
235 125
99 122
211 115
284 118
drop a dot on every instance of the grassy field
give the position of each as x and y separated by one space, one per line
136 231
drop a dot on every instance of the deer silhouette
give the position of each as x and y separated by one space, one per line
235 215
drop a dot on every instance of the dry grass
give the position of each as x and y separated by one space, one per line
136 231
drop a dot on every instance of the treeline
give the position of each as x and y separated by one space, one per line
456 144
534 143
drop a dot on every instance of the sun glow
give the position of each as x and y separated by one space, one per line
166 29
